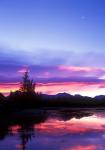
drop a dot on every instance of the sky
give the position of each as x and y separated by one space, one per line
62 42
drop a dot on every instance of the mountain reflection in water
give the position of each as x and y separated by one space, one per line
53 130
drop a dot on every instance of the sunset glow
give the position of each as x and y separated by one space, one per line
61 44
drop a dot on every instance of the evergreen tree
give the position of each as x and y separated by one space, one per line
27 85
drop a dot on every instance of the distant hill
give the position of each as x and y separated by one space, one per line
18 101
99 97
63 95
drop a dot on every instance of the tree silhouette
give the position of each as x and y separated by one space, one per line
27 85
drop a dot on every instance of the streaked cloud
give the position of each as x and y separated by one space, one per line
47 70
87 147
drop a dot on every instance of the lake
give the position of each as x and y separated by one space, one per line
62 129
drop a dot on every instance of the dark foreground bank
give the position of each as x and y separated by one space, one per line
18 101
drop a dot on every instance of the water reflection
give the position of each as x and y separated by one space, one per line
53 129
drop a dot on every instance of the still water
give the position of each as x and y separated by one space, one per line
74 129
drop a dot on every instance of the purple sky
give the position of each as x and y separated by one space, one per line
60 42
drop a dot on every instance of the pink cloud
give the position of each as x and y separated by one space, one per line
92 71
87 147
23 70
74 68
83 88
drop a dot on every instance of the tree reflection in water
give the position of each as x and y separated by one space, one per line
23 124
